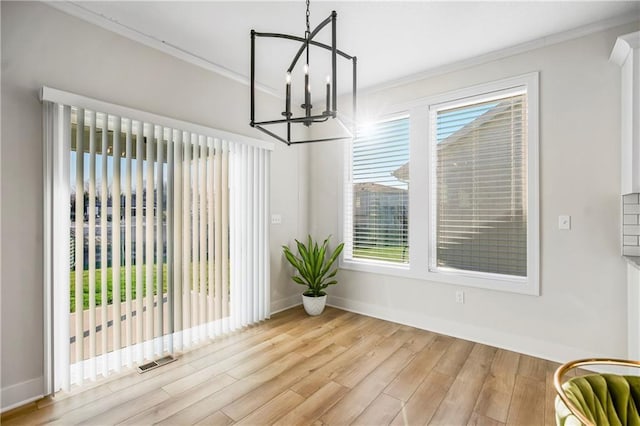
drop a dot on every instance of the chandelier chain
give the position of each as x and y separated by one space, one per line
308 14
307 34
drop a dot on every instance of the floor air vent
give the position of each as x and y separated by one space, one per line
155 364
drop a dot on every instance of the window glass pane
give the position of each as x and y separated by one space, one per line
479 155
381 192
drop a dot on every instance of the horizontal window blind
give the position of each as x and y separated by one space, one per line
378 193
159 239
479 186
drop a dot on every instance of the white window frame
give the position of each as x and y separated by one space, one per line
420 246
348 201
347 222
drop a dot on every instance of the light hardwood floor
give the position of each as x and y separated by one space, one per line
336 369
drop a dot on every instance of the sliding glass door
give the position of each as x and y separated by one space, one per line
158 237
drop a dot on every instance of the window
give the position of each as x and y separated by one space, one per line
378 192
471 212
479 185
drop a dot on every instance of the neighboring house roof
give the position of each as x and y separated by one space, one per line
376 187
402 172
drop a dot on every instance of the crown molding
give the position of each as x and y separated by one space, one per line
78 11
506 52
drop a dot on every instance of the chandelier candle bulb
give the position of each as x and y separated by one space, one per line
307 93
287 107
328 94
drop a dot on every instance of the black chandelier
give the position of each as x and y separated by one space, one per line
307 117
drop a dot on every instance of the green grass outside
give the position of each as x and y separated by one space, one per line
391 254
85 276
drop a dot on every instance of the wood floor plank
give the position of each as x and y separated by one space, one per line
136 379
267 356
550 395
300 342
225 361
216 419
380 412
273 410
495 395
534 368
405 384
279 323
357 400
420 339
353 373
224 347
480 420
424 402
179 402
252 400
19 412
196 378
337 368
207 406
329 316
310 384
60 407
360 327
113 400
128 409
345 335
458 404
527 402
314 406
384 328
454 358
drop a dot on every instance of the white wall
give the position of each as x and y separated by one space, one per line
42 46
582 307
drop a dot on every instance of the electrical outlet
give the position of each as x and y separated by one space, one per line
564 222
459 296
276 219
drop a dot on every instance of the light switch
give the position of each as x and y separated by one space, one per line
276 219
564 222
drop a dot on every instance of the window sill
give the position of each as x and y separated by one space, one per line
374 267
526 286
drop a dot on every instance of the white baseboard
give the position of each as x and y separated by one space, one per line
21 393
286 303
522 344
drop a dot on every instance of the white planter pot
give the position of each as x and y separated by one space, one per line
314 305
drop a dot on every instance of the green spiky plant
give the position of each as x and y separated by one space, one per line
313 265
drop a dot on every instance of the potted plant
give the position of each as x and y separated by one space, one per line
312 265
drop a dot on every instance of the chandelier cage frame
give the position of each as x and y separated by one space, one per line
332 97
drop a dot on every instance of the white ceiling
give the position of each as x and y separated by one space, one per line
392 40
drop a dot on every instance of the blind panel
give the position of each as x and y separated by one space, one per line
128 245
480 192
380 193
147 240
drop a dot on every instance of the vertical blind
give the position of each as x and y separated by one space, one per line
479 189
158 238
378 191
